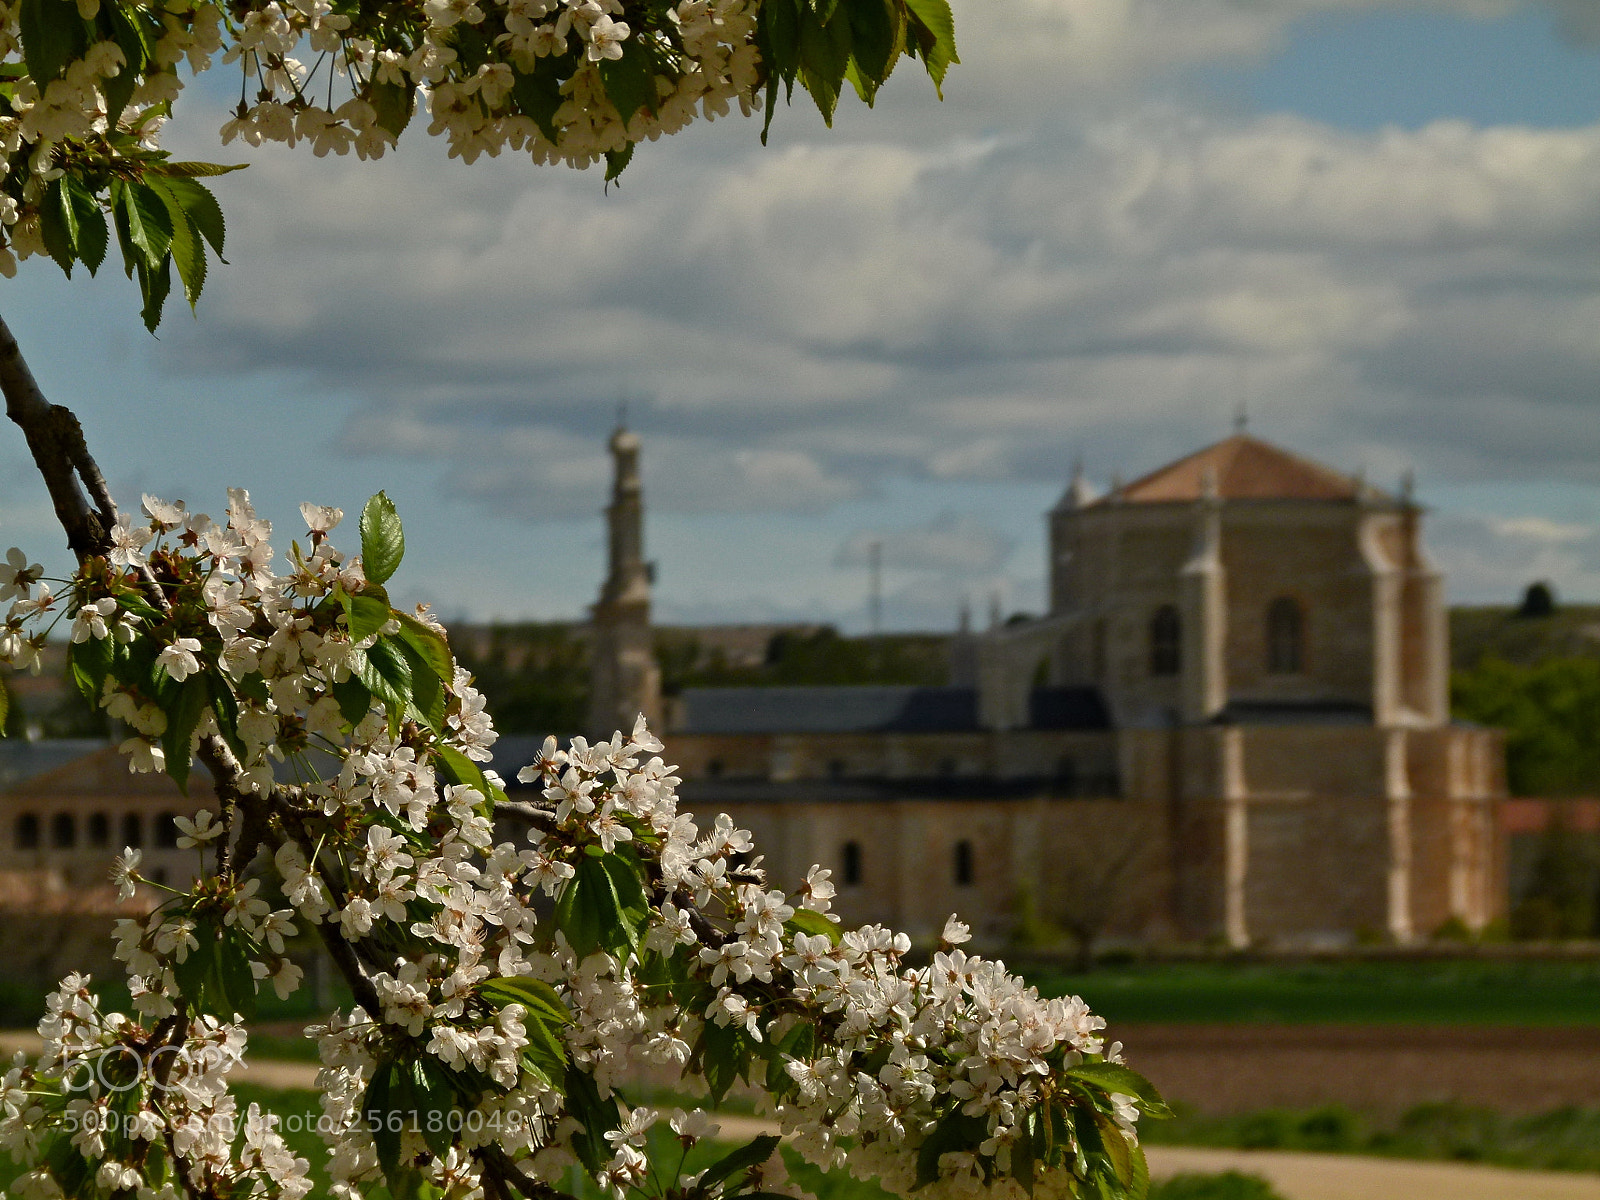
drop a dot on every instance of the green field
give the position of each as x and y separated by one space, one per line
1462 991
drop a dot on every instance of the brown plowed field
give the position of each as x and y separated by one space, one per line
1382 1068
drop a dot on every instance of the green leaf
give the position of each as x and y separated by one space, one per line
194 170
955 1131
394 103
460 769
630 81
154 285
57 227
824 54
226 706
752 1154
617 162
778 37
1114 1077
126 33
596 1115
876 39
935 31
430 644
1139 1187
383 541
427 694
376 1105
149 223
435 1101
182 718
53 34
187 253
199 205
233 953
724 1057
808 921
90 235
535 995
366 612
578 912
632 907
386 675
89 662
539 96
355 699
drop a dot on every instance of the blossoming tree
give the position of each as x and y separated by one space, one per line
513 962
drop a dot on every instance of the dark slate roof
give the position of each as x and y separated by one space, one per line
864 709
21 761
1295 712
1067 708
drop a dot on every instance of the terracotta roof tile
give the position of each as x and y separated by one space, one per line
1244 468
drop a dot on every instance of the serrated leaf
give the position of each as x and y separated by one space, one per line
430 644
89 662
955 1131
57 227
617 162
876 39
427 693
53 34
376 1105
188 255
1114 1077
194 170
433 1093
596 1115
539 96
824 55
936 37
752 1154
182 720
149 224
200 206
460 769
535 995
724 1057
355 699
155 283
630 81
386 674
1115 1145
366 612
393 103
90 235
383 540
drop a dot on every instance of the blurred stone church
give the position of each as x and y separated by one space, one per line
1232 726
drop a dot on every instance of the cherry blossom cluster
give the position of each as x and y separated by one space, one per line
515 960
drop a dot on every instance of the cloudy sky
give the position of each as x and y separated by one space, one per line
1374 224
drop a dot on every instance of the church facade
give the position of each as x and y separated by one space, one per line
1231 726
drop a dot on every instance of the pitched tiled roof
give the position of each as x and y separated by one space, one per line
1242 468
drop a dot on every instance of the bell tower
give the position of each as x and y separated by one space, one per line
624 679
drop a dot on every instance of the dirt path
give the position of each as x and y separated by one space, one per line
1374 1068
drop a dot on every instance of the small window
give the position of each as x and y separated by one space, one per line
963 863
166 832
63 831
132 831
947 768
1166 645
836 768
27 832
1285 637
850 863
99 829
714 769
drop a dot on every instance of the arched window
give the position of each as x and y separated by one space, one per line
99 829
1286 637
963 863
1166 644
132 831
27 832
850 863
63 831
166 832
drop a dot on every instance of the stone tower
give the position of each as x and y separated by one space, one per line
624 680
